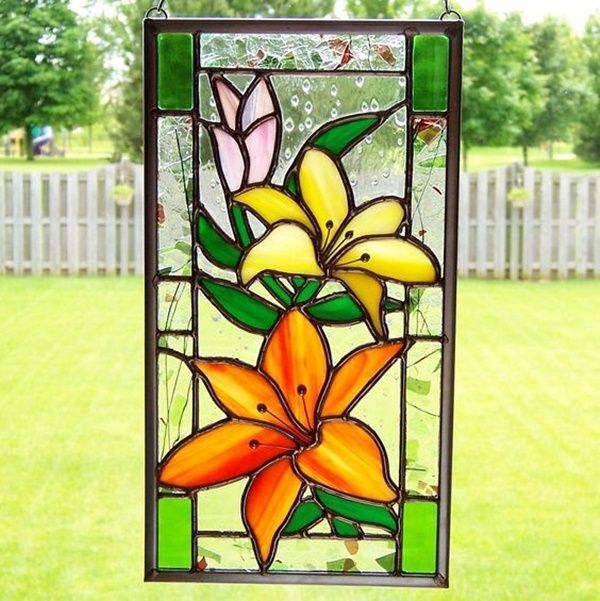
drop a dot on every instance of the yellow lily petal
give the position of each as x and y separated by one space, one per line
323 192
270 497
273 206
287 248
348 458
378 218
397 259
368 290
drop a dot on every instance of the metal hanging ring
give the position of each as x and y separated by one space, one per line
451 13
158 9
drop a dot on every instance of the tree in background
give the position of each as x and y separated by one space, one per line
122 36
587 142
48 67
530 83
393 9
495 104
559 57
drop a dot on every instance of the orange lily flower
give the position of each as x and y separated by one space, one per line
288 428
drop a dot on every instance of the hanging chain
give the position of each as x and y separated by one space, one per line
158 9
449 12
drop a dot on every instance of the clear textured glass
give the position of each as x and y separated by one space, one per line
423 377
429 183
323 52
174 210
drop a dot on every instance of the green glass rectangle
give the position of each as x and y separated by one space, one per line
430 73
175 71
175 533
419 537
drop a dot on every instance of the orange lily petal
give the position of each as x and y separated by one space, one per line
348 458
355 375
221 453
244 392
295 357
269 499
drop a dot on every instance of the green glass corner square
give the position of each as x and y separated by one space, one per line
430 65
175 533
419 537
175 86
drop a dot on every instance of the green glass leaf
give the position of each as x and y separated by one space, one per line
438 162
165 271
298 281
240 225
277 289
344 529
342 308
216 245
387 562
418 386
291 184
184 247
340 135
307 514
310 289
358 511
242 307
204 552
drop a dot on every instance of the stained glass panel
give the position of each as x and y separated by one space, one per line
300 299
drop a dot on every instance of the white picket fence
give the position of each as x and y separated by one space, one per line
70 224
553 234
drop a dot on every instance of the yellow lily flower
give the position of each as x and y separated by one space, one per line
323 234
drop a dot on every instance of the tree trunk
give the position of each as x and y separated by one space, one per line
525 156
551 150
28 142
464 156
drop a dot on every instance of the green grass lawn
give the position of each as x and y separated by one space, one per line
490 157
525 504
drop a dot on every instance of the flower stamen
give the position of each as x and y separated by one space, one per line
364 258
254 444
347 237
302 392
329 226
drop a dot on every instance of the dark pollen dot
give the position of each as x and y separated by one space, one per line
253 444
301 390
261 408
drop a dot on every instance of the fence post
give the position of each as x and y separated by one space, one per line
481 220
563 226
546 225
597 229
72 227
2 223
54 206
463 226
500 224
138 218
36 222
583 224
528 207
17 222
110 260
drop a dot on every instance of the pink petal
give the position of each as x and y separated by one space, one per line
230 158
260 143
228 99
257 102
